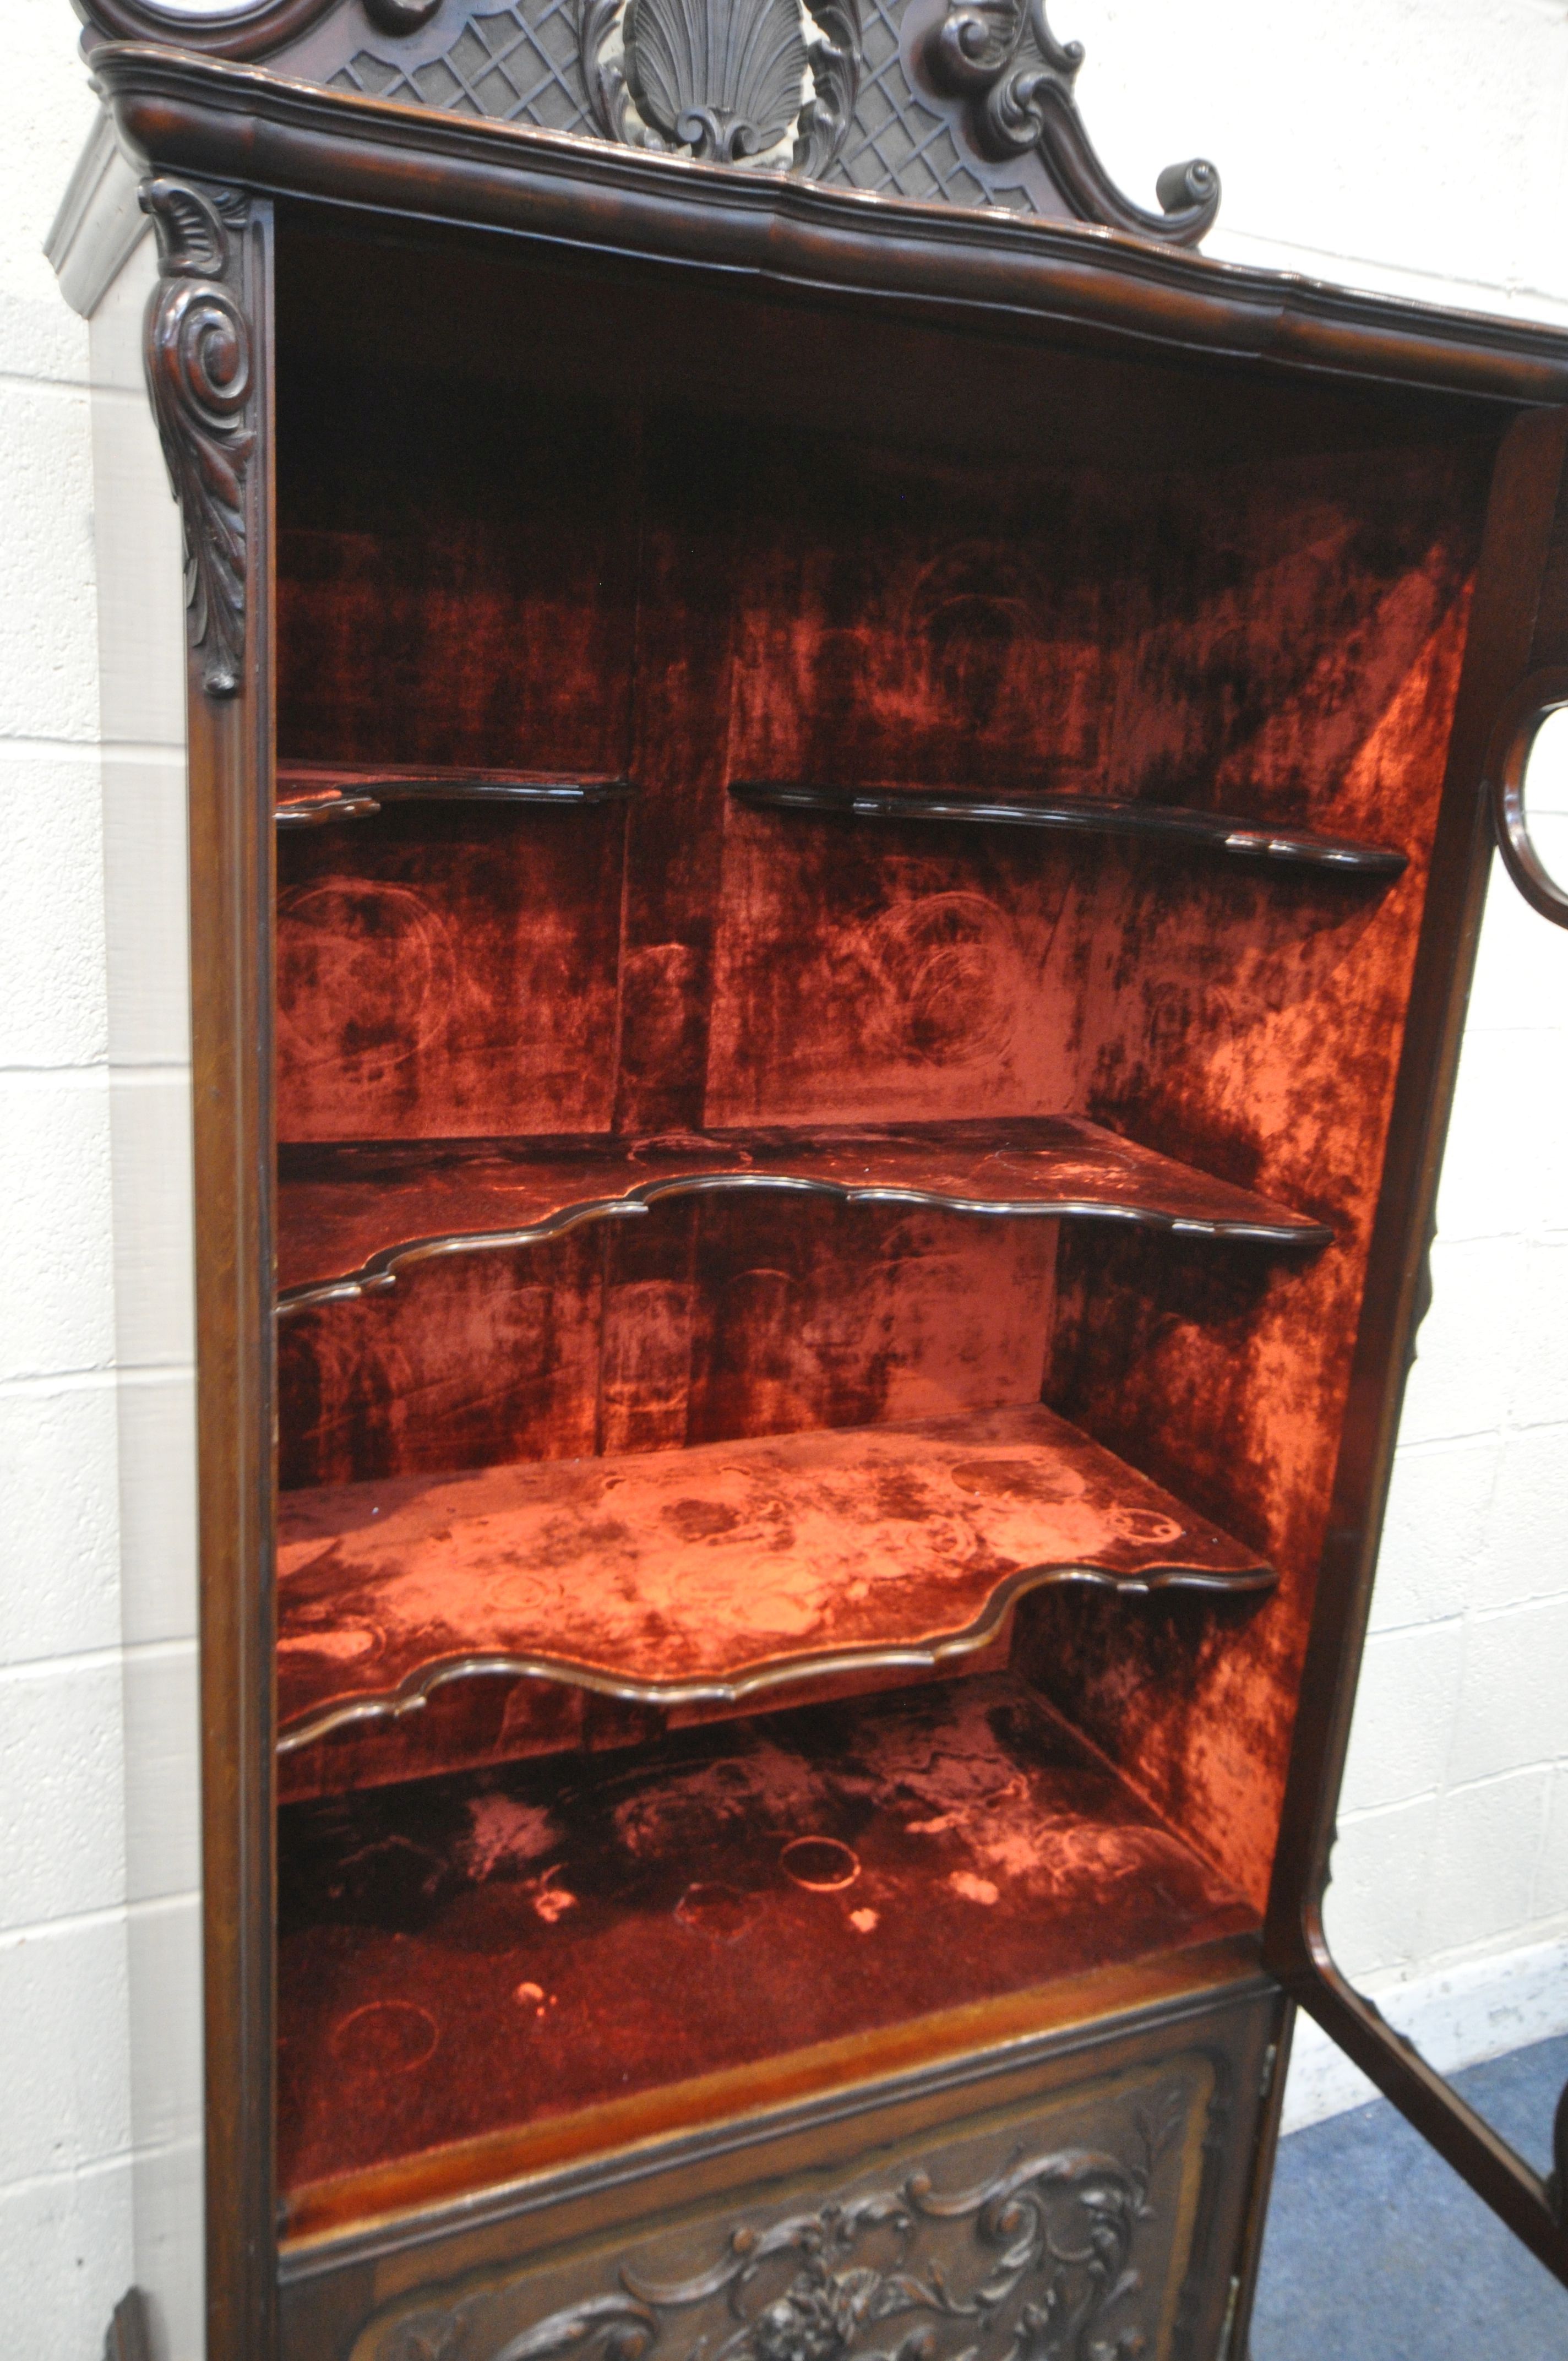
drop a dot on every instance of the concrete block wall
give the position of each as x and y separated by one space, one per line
65 2131
1419 146
99 1983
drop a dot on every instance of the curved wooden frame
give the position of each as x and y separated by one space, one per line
253 30
1519 642
1508 760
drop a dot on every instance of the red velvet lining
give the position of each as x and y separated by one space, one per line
696 1323
466 1954
1190 600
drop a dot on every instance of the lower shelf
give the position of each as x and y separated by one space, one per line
462 1956
664 1577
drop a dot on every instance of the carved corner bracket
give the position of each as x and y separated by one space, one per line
201 377
730 81
1001 59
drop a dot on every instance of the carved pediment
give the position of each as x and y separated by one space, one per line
963 101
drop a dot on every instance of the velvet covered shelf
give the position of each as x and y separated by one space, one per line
313 794
711 1573
1082 815
351 1215
799 1880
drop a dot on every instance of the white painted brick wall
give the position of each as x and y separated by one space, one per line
1419 146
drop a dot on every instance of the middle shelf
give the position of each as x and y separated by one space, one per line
710 1573
353 1213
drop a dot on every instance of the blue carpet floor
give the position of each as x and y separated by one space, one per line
1375 2251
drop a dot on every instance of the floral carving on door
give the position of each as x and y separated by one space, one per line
1036 2263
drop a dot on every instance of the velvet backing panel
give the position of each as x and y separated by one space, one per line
1311 638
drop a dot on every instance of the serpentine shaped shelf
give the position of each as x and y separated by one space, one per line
1080 815
353 1214
312 796
674 1576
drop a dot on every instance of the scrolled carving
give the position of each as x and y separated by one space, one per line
835 59
1029 2265
201 377
1001 57
724 80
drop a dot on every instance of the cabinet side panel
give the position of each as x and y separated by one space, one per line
1308 629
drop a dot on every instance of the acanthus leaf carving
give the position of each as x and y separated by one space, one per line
1003 58
201 379
723 79
1048 2259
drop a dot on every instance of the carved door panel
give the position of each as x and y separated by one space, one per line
1097 2221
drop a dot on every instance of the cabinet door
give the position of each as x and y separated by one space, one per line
1094 2216
1515 673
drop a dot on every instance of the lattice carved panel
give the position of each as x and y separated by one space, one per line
954 102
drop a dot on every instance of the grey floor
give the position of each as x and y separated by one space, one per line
1375 2251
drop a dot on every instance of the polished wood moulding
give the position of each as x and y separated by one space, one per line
312 795
461 1955
718 1572
352 1215
1080 815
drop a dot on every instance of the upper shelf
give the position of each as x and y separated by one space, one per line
709 1574
352 1215
310 795
1080 815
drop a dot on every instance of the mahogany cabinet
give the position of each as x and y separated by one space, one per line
839 800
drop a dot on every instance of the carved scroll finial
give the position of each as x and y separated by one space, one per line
199 373
725 80
1003 58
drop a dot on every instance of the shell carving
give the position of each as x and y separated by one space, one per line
724 78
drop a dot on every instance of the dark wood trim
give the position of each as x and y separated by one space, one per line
1276 2067
1503 645
1543 693
236 122
231 867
